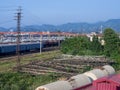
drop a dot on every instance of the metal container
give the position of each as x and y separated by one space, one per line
109 69
79 81
59 85
95 74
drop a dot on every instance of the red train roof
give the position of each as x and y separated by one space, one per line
113 79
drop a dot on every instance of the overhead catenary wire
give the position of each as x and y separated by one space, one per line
6 22
7 12
35 19
10 9
7 8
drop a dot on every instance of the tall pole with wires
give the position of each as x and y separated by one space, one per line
18 18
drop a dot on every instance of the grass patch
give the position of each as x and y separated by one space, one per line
11 80
7 66
18 81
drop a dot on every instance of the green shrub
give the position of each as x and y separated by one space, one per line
19 81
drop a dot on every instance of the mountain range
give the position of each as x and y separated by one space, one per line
82 27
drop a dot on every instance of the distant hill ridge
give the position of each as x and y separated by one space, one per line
73 27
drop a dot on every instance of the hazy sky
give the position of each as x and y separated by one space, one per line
58 11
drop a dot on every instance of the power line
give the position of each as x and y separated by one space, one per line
6 22
4 7
7 8
36 19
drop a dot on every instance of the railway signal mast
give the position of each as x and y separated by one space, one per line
18 19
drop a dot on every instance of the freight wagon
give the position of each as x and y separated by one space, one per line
11 48
6 49
96 79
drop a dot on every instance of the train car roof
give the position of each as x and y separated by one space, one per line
12 44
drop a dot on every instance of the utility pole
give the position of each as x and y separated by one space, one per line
18 19
59 32
101 29
41 43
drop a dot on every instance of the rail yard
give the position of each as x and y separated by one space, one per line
71 68
59 45
30 41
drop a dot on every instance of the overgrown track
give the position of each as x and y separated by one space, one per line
12 58
66 67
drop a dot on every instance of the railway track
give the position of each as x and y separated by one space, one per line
66 67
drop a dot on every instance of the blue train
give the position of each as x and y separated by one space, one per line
24 47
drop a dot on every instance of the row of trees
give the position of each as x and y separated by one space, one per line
112 43
83 45
112 46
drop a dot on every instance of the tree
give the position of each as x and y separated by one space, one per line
111 42
75 45
96 46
